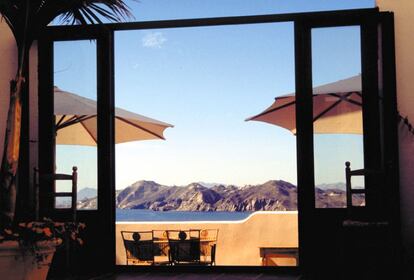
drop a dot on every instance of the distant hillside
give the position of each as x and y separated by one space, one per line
272 195
89 203
332 186
86 193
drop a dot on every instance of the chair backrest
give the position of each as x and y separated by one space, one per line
139 246
349 190
184 245
182 235
53 178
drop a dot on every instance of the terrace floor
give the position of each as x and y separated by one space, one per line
191 276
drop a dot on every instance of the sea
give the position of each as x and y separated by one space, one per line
138 215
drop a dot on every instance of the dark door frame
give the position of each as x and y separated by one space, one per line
103 218
380 119
368 19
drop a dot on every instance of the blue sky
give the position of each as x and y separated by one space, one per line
176 9
206 81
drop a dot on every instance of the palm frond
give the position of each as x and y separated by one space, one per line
94 11
9 14
42 12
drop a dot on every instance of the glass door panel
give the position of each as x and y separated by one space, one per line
75 109
337 113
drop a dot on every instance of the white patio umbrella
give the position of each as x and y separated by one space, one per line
337 108
76 122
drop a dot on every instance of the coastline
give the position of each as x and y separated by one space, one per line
252 214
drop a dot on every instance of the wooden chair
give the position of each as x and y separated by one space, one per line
70 248
349 190
364 233
139 247
53 178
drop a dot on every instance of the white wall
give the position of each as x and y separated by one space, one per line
404 43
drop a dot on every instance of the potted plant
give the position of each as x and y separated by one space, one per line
26 250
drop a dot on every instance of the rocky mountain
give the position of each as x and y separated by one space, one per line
335 198
150 195
272 195
84 194
89 203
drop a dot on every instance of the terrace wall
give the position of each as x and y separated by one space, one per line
238 241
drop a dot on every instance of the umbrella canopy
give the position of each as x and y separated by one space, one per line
76 122
337 108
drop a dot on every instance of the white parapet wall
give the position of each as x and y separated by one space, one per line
239 242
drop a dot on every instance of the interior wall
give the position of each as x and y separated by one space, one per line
404 42
8 62
8 54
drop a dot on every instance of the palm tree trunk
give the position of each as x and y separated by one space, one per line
9 165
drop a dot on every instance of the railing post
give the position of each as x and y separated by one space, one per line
74 191
348 185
